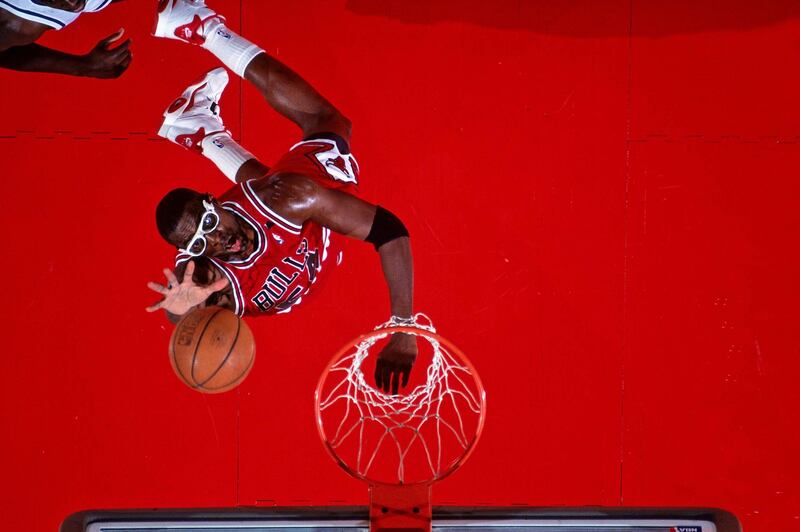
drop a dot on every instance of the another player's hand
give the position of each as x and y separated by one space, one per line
106 62
394 361
180 298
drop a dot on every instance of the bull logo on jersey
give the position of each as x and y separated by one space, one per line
341 167
281 289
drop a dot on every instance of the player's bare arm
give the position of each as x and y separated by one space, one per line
103 61
18 50
300 199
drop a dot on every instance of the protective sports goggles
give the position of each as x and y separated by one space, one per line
208 222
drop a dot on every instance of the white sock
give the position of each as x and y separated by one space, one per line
226 153
232 49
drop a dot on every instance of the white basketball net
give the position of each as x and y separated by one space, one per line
419 436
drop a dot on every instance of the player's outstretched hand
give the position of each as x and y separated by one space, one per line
106 62
395 361
180 298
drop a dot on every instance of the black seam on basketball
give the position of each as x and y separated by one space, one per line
230 350
197 346
241 376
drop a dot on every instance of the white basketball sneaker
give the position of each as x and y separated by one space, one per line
185 20
195 114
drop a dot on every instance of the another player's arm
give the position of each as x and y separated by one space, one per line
19 52
191 286
301 199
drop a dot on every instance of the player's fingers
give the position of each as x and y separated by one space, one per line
160 288
383 379
120 51
387 376
219 284
121 65
153 308
379 375
119 70
125 62
117 55
395 382
187 275
105 43
406 374
171 279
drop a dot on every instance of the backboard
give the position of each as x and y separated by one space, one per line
445 519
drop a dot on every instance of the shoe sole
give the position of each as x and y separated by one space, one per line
187 95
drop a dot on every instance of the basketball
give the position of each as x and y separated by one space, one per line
212 350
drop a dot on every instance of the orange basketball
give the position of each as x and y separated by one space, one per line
212 350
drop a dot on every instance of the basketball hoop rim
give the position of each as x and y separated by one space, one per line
417 331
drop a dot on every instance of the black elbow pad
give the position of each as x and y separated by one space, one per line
385 228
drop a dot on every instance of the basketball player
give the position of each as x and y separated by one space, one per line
259 248
22 22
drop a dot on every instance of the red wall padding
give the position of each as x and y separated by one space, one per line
602 198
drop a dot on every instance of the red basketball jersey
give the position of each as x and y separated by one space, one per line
288 259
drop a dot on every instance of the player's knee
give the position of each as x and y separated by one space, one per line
332 121
346 125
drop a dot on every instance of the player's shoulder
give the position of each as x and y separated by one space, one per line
18 31
24 21
35 15
285 186
234 193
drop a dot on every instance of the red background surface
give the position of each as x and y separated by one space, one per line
603 203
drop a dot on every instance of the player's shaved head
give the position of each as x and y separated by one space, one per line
177 214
